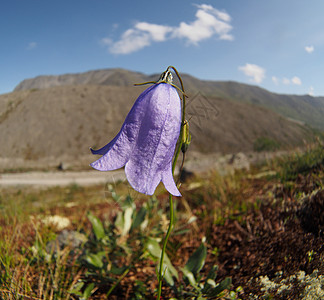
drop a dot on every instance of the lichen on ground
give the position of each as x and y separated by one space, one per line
312 286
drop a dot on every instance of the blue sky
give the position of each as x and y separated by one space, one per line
277 45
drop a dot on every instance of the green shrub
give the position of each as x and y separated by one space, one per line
265 144
303 163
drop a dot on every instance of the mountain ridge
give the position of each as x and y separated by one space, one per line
304 108
59 123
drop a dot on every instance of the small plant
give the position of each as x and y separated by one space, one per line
196 285
265 144
111 251
115 249
302 163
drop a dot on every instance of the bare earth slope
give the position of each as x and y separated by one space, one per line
61 123
304 108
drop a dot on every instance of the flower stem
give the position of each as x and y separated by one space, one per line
165 241
161 271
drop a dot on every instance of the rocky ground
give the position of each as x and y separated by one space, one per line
51 172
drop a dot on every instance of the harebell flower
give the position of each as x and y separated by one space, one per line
146 141
146 144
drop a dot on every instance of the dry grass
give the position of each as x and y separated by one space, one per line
249 221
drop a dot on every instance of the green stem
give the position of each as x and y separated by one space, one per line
165 241
118 281
164 245
183 119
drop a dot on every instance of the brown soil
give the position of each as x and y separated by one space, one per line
273 239
276 233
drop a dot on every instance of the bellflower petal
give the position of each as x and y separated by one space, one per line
146 142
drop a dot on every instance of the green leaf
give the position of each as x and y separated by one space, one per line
140 217
118 271
127 220
223 285
180 232
88 291
114 195
95 259
197 260
210 279
97 226
77 289
124 220
212 273
129 202
168 276
153 247
169 270
170 267
189 276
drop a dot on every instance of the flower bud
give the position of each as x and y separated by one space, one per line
186 137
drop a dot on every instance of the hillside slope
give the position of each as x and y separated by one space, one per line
65 121
304 108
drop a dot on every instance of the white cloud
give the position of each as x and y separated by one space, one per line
311 91
275 80
106 41
221 15
296 80
256 73
286 81
131 40
209 22
31 45
157 32
138 37
309 49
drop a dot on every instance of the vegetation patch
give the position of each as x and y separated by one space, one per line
239 236
265 144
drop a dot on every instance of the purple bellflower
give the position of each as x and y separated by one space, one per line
146 141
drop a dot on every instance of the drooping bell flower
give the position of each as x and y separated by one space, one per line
146 142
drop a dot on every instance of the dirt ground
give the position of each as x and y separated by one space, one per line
273 250
54 173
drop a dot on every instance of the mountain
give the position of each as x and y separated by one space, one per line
304 108
60 123
111 77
